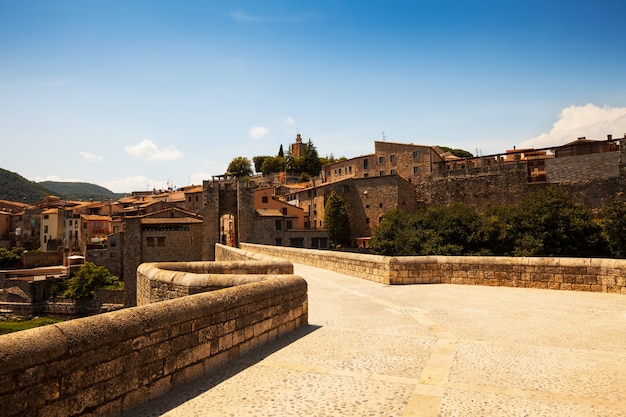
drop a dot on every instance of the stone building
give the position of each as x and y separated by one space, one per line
366 200
411 162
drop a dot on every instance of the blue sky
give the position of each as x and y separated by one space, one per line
135 95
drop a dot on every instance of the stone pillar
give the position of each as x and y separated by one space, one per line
245 212
133 254
210 219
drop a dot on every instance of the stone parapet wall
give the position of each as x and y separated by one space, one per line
35 259
370 267
107 364
579 274
166 280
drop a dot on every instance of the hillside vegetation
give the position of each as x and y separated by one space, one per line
80 191
14 187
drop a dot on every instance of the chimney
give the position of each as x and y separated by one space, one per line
609 137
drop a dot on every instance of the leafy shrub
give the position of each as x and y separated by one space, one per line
87 279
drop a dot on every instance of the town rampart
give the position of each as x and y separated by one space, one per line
579 274
107 364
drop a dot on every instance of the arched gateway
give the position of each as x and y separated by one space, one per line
226 196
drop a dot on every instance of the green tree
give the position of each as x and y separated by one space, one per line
258 162
10 257
87 279
336 220
614 227
397 234
272 165
239 167
311 162
548 223
461 153
281 153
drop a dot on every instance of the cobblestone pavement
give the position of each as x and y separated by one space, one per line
426 350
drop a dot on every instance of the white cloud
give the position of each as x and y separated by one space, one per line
257 132
289 121
147 149
241 17
129 184
91 157
590 121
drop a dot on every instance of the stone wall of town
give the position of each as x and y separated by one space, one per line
579 274
36 259
583 167
509 187
107 364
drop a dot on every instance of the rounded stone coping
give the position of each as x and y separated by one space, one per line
29 348
269 266
170 273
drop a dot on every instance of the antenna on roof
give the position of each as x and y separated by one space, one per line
384 137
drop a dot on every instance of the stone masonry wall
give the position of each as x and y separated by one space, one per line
167 280
579 274
583 167
107 364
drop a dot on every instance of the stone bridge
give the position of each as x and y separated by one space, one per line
262 346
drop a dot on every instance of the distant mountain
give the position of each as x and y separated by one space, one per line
80 191
14 187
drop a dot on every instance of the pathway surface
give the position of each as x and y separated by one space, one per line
426 350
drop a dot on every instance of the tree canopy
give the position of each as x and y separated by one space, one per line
545 223
239 167
87 279
336 220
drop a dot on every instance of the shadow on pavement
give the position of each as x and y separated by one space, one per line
192 389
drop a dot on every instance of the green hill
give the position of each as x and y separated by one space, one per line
80 191
14 187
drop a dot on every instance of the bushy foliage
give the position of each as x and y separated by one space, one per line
239 167
10 257
272 165
336 220
87 279
546 223
614 227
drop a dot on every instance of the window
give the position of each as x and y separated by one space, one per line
350 169
189 199
45 229
196 198
161 241
380 205
339 171
393 172
76 224
365 164
392 158
45 216
367 206
284 211
381 159
97 225
416 170
112 243
278 224
149 242
278 241
381 173
365 175
345 189
85 225
265 199
367 220
415 154
289 224
296 242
